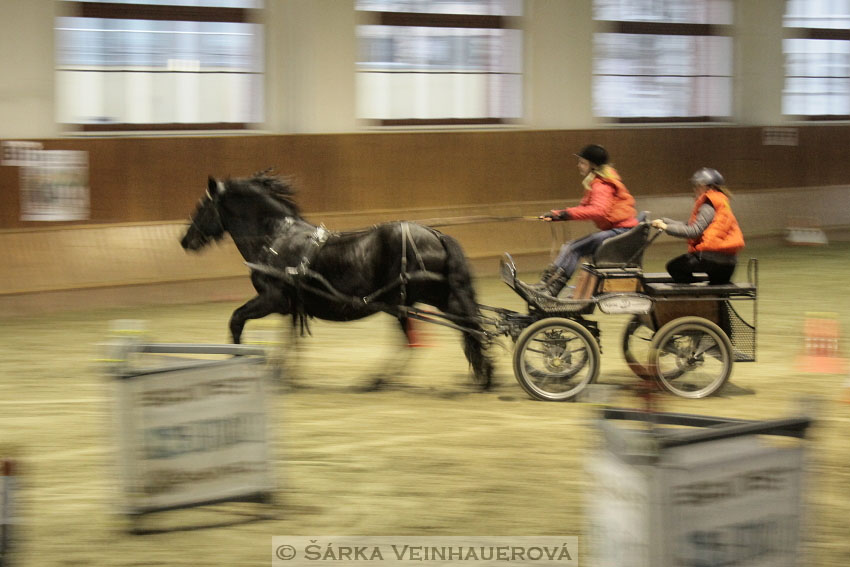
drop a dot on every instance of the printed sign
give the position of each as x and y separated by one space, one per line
735 502
625 303
195 434
56 188
20 153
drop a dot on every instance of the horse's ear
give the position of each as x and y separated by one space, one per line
214 187
211 186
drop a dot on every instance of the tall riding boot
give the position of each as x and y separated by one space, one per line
556 282
543 284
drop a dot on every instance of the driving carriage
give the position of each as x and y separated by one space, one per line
685 336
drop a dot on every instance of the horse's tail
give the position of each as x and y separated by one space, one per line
458 274
462 298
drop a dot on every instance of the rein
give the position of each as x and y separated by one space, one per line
452 221
291 274
299 276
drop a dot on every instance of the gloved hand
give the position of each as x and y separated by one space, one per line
659 224
554 215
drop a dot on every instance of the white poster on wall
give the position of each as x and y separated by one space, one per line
193 435
54 184
55 187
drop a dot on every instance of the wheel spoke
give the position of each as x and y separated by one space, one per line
672 347
713 351
693 357
554 359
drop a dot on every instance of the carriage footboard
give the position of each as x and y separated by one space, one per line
538 301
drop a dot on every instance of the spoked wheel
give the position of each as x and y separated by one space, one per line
691 357
637 340
555 358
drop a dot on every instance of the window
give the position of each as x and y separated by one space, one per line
817 59
662 60
161 65
424 62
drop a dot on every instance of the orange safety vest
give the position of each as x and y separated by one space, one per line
723 233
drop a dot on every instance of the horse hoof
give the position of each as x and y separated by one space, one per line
482 383
373 386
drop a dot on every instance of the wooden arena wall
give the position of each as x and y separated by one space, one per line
143 189
142 179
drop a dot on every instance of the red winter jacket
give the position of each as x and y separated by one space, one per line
607 203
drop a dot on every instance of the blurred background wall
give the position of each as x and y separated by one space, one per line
369 108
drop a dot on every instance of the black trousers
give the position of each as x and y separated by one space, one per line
719 267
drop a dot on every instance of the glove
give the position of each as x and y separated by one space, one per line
554 215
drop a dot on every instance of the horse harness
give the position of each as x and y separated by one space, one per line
301 275
311 247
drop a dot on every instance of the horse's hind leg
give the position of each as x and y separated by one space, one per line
482 367
461 301
394 367
474 345
255 308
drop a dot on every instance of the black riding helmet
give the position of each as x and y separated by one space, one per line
595 154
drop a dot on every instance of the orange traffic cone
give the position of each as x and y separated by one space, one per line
414 336
820 339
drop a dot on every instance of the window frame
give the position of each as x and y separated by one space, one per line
438 20
834 34
161 12
664 28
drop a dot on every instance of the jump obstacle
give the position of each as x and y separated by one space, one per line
7 509
805 231
192 428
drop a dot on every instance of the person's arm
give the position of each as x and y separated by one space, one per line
691 230
598 204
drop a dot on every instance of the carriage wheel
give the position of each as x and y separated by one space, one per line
555 358
637 338
691 357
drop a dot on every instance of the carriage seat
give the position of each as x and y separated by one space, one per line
624 250
667 289
665 277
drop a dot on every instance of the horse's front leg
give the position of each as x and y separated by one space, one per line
255 308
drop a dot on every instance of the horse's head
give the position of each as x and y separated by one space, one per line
248 208
206 224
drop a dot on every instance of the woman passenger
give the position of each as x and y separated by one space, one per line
714 237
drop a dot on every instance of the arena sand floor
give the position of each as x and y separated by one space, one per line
426 456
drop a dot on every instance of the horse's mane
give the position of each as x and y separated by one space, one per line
277 187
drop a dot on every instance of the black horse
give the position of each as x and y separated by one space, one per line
306 271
